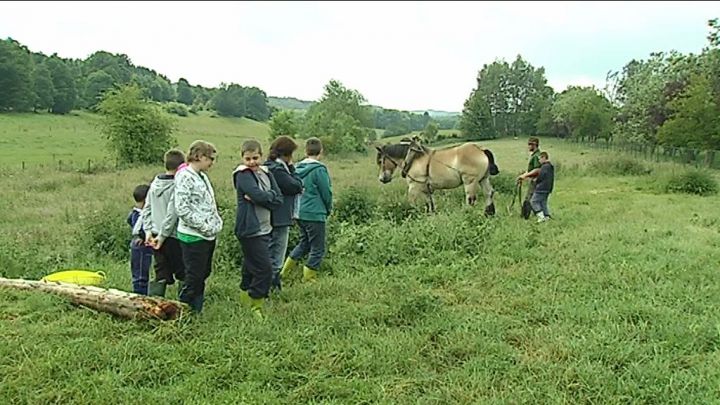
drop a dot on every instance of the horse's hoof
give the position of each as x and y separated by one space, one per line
490 210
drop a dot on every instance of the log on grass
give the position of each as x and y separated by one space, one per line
121 303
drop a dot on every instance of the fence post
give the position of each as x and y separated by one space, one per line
59 164
23 165
88 166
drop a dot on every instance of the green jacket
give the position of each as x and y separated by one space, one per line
315 203
534 162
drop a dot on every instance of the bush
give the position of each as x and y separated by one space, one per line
398 209
107 235
503 183
620 166
177 109
693 182
354 205
137 130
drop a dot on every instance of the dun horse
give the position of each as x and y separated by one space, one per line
427 169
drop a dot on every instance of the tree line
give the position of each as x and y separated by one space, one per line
31 81
670 99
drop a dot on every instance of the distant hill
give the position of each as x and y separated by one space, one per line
289 103
437 113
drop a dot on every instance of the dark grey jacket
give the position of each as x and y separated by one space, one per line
290 186
246 222
546 179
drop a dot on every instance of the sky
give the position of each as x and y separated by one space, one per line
401 55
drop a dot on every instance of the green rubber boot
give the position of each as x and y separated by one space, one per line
309 275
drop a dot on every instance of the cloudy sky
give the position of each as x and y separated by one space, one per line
403 55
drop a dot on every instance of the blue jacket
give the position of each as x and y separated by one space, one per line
246 222
290 186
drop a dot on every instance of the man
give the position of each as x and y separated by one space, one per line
532 172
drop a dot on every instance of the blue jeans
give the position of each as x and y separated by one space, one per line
539 202
312 240
140 260
278 249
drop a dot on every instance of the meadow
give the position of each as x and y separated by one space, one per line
613 301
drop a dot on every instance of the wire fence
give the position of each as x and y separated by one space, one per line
658 153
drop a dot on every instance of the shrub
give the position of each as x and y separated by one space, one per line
619 166
354 205
693 182
503 183
107 234
177 109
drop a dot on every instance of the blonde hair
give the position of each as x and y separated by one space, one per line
199 149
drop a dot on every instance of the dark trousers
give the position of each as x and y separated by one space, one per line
312 240
197 258
256 268
140 260
169 264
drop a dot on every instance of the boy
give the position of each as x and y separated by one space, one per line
543 188
160 221
280 164
140 255
257 195
199 222
314 208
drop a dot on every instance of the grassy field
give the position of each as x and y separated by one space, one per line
614 301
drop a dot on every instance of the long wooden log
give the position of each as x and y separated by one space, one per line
121 303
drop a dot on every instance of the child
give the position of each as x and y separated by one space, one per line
314 208
160 219
280 163
199 222
543 188
257 195
140 255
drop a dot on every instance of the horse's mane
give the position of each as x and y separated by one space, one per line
397 150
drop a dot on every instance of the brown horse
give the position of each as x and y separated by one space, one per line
428 169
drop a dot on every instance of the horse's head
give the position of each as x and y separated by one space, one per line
415 149
389 158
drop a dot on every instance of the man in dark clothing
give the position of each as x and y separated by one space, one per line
532 172
543 188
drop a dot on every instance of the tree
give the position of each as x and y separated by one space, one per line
229 100
476 121
16 87
582 113
43 88
137 131
97 83
430 132
284 122
695 120
256 105
339 119
65 93
184 92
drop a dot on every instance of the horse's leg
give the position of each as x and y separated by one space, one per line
430 203
489 193
471 189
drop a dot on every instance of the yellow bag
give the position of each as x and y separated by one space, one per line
81 277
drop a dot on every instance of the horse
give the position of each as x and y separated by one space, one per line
427 170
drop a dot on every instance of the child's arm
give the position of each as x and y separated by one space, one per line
325 189
169 223
288 183
146 218
247 186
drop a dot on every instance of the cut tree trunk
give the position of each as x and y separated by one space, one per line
124 304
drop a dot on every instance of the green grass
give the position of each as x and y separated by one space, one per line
614 301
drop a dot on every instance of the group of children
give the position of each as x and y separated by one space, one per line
176 221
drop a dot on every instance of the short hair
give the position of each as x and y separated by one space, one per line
313 146
544 155
140 192
282 146
173 159
199 149
251 145
534 140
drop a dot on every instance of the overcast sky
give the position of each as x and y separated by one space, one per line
403 55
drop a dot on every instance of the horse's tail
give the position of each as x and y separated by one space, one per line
492 167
